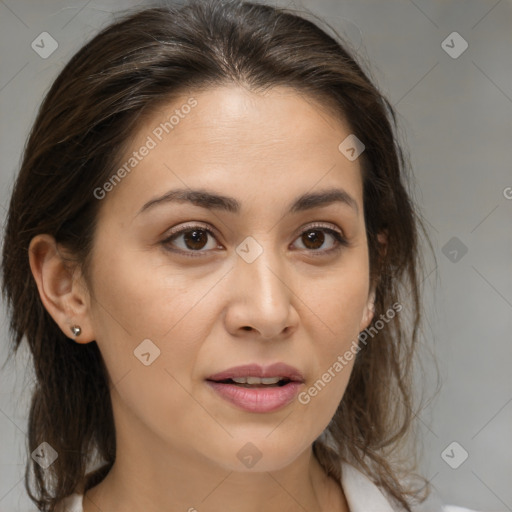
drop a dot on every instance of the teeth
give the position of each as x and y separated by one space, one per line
257 380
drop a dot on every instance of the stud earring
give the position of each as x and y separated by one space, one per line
76 330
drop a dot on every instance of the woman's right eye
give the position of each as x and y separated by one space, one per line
190 240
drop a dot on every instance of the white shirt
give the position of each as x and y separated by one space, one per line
361 493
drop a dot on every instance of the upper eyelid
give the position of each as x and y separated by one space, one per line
321 225
190 226
208 227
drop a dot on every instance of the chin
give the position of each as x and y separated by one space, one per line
259 454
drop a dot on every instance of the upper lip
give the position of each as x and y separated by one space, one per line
255 370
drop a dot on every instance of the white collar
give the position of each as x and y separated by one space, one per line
361 493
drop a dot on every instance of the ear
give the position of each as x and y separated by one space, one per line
61 287
369 310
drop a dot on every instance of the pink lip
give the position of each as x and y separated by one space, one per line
255 370
266 399
257 399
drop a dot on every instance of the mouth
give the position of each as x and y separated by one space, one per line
259 389
277 374
255 382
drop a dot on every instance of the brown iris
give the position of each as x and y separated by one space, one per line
195 238
314 237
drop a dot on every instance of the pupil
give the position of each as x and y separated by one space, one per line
195 239
315 237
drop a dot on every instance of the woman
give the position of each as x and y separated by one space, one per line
210 250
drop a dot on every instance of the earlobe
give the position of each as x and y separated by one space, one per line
369 310
59 289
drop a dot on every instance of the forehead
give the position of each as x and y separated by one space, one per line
232 116
274 144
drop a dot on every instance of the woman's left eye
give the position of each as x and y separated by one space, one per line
314 238
198 239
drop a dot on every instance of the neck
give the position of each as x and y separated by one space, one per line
185 481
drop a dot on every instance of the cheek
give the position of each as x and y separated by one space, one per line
146 323
336 310
136 298
324 391
337 301
139 294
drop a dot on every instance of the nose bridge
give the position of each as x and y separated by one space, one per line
263 273
262 294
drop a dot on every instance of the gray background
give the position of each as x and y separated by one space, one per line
456 118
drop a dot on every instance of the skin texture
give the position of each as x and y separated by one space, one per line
177 440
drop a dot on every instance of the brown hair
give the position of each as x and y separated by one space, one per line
83 125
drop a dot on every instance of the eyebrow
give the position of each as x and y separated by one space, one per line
211 200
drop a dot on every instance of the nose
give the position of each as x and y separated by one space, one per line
261 298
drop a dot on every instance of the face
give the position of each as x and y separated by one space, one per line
250 271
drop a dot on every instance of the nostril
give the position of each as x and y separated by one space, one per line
247 328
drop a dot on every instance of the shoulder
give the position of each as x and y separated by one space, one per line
363 495
72 503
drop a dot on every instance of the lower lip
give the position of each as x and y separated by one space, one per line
267 399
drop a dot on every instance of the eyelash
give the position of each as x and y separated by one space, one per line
341 241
